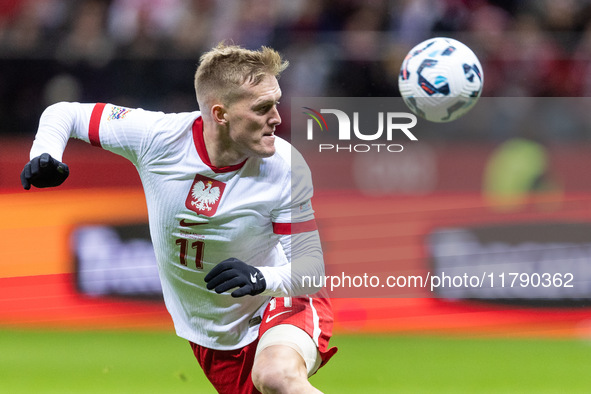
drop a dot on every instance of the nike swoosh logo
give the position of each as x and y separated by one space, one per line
269 318
253 278
184 223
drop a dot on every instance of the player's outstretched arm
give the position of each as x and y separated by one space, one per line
44 171
57 124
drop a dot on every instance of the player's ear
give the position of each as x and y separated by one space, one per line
219 114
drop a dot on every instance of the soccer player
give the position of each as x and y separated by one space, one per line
230 219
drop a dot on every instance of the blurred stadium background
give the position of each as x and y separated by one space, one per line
512 174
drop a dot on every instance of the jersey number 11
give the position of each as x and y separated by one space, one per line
197 245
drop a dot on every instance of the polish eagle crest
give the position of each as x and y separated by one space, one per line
204 195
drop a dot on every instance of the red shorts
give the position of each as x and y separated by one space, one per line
229 370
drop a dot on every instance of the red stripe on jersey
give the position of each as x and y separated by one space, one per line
294 228
200 146
95 122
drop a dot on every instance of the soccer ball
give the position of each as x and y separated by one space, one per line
440 79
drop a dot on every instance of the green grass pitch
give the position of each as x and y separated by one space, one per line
158 362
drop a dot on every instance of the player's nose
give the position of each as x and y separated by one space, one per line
275 118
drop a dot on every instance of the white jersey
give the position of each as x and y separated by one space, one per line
200 215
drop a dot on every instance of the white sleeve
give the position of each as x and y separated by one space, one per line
305 272
58 123
121 130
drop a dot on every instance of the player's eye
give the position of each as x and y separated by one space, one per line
264 109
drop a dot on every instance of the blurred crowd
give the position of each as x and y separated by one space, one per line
144 52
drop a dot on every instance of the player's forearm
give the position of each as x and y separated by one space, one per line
304 273
58 123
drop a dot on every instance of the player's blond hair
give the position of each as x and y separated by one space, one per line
224 69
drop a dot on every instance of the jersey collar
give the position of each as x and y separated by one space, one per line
200 146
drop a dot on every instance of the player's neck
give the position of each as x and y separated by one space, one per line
219 149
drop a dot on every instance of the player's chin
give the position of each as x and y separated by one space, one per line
266 146
266 153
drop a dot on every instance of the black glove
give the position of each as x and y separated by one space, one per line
232 273
44 171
